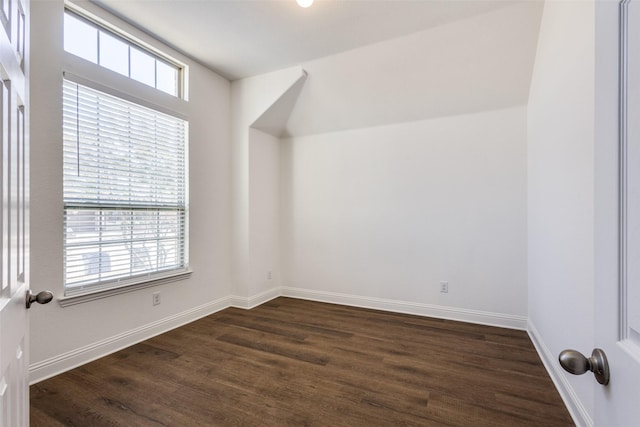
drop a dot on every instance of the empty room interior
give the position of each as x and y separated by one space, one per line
414 193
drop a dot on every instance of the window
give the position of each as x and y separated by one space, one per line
125 191
125 163
104 47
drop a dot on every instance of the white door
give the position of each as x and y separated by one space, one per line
14 218
617 290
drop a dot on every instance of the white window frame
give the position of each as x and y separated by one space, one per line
104 80
103 26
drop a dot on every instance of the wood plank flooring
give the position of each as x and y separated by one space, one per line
292 362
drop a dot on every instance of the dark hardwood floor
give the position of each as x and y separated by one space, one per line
299 363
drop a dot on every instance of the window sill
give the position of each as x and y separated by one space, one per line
67 301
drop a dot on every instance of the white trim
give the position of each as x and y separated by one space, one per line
138 283
571 400
105 25
256 300
420 309
61 363
623 196
104 20
58 364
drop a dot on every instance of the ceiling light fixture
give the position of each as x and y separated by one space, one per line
304 3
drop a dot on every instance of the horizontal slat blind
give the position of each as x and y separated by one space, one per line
124 190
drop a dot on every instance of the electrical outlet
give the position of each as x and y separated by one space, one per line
269 276
156 298
444 287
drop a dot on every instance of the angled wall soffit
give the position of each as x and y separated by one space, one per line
274 120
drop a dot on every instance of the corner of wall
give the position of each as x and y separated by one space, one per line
262 102
569 396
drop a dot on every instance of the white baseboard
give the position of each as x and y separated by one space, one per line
72 359
255 300
56 365
571 400
61 363
438 311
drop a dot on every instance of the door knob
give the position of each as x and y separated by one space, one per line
576 363
43 297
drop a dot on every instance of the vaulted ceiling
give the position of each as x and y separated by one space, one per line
241 38
369 62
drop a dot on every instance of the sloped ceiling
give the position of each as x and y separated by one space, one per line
242 38
369 62
481 63
274 120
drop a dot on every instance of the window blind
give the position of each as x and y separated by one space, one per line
125 192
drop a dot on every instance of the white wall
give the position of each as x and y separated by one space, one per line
428 185
405 165
264 215
61 337
254 169
561 186
389 212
